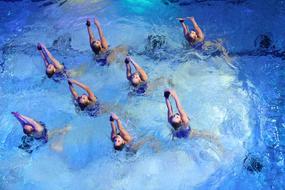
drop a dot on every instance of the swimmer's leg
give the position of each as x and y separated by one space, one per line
225 53
207 136
107 108
207 45
77 72
203 134
62 131
154 144
158 82
120 50
111 57
58 144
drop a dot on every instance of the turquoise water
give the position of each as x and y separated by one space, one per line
243 106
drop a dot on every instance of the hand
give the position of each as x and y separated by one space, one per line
70 81
96 22
166 93
181 19
15 113
128 59
114 116
191 18
88 22
39 46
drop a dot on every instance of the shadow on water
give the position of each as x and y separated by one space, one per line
201 2
45 3
265 46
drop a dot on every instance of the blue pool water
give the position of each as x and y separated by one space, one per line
243 106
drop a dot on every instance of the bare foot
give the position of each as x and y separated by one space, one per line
57 146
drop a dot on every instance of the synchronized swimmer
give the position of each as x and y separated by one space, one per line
35 130
120 137
104 54
54 69
196 39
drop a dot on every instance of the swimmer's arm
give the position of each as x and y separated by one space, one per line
45 59
101 34
140 70
86 88
181 111
20 118
90 33
53 60
138 145
200 34
31 121
185 28
124 133
114 130
169 108
72 90
150 139
128 71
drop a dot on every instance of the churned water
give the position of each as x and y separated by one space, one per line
243 106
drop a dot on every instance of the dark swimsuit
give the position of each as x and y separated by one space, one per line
211 50
102 57
59 76
93 110
183 132
198 45
44 136
31 143
139 90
